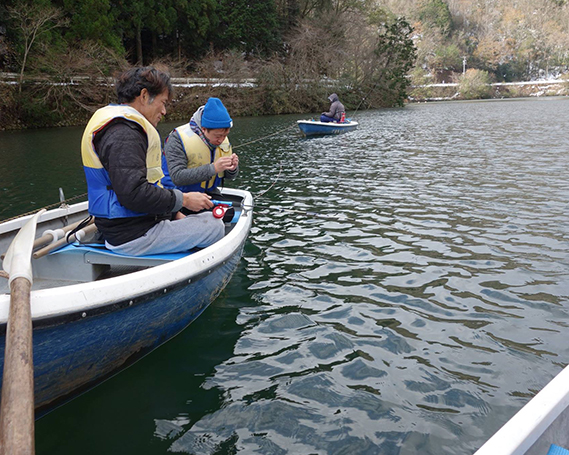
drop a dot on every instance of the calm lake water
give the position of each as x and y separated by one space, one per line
405 289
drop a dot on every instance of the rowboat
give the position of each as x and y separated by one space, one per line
315 127
540 427
95 312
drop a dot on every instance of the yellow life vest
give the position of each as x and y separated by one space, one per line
199 153
103 201
102 117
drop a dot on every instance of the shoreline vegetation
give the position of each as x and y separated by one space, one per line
497 90
277 56
248 97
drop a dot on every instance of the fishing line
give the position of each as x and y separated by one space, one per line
259 195
265 137
245 207
364 98
59 204
50 206
249 207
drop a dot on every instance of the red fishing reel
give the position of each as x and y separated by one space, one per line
219 210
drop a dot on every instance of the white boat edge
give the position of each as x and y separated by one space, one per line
55 301
334 124
543 421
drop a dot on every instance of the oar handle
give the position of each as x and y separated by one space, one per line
17 412
48 236
17 405
64 241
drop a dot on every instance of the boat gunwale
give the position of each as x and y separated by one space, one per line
130 302
351 123
519 434
13 224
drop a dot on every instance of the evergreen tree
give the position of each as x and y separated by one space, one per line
132 17
93 20
196 26
249 25
436 13
396 55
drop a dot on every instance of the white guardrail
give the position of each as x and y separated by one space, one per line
12 78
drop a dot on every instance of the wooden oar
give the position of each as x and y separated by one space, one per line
17 408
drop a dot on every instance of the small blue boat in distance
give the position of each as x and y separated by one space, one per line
317 128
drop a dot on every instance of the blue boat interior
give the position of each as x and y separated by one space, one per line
557 450
89 262
347 120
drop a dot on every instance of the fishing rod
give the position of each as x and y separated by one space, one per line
364 98
245 207
264 137
220 207
63 201
249 207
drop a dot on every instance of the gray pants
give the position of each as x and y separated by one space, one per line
199 230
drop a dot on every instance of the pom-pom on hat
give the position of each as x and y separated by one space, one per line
215 115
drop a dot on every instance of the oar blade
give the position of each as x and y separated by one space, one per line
17 262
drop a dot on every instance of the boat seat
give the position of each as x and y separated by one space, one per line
98 254
88 262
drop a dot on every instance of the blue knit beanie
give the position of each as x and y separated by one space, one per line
215 115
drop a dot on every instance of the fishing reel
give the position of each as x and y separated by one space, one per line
219 211
220 208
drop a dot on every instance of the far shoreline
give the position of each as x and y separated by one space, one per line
189 96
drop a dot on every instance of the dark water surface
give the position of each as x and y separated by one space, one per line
405 290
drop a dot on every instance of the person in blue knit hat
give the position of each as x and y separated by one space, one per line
198 156
215 115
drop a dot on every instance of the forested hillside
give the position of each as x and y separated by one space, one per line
297 51
514 40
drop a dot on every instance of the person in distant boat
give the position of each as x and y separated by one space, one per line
336 112
198 156
121 152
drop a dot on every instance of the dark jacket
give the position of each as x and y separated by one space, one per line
121 147
336 108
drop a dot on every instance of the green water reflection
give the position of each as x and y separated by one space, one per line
404 290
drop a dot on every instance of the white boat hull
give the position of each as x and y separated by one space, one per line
539 424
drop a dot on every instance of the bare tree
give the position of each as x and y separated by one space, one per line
82 78
34 20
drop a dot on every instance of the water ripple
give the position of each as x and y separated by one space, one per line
411 282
